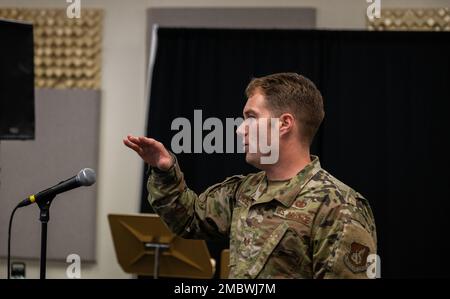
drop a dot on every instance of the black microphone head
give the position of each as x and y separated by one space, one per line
86 177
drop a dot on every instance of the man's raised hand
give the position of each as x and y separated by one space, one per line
151 151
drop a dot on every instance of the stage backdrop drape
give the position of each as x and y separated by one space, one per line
385 133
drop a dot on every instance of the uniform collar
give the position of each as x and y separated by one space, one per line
286 194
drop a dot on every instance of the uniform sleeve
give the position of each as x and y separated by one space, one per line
206 216
344 238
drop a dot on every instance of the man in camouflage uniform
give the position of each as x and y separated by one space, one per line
291 220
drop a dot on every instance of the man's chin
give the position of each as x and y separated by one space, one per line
253 159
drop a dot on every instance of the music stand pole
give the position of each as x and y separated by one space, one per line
158 248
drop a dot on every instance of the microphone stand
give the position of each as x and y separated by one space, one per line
44 217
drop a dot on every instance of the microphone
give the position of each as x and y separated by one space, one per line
85 177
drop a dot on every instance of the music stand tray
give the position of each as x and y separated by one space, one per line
145 246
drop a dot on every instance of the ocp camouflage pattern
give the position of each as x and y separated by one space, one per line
312 226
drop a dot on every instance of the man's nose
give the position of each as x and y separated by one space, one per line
241 129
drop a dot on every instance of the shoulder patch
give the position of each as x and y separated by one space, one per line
356 258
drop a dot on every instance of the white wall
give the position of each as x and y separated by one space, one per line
124 105
123 111
345 14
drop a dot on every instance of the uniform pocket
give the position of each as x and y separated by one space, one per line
269 246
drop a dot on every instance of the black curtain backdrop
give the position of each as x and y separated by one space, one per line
386 97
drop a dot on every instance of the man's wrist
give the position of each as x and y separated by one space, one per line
163 171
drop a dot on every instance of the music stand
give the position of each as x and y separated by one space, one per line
145 246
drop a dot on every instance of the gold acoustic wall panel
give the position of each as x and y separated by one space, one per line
67 51
404 19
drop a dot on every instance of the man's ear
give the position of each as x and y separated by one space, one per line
287 121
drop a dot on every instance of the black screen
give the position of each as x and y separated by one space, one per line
16 81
